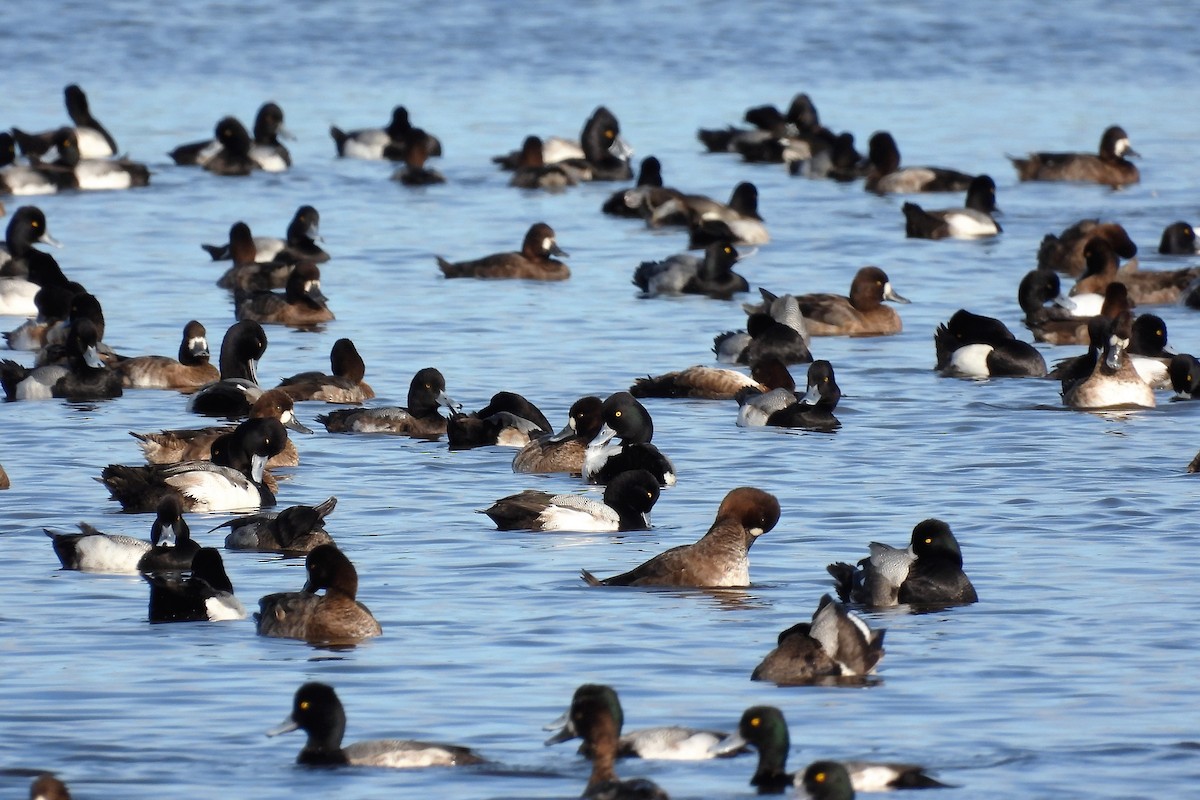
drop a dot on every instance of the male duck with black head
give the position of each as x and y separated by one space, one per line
170 547
627 419
229 483
665 743
318 712
532 262
298 244
720 558
595 716
886 175
566 450
1108 167
73 171
233 395
765 728
862 313
233 159
94 139
334 618
206 594
83 377
928 573
426 394
382 143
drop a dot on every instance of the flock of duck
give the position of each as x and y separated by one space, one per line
606 441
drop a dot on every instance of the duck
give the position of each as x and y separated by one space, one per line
1064 253
508 420
600 153
782 407
1065 320
563 451
84 376
381 143
248 274
698 382
1108 167
206 594
711 275
48 787
73 171
974 221
296 530
647 192
302 303
333 618
1146 287
775 328
414 172
826 780
426 393
318 712
1179 239
94 139
928 573
234 393
765 728
270 154
837 646
720 558
628 499
1150 351
596 717
1184 371
532 171
628 419
190 371
233 159
299 243
665 743
887 177
532 262
974 346
91 550
23 179
344 385
860 314
1106 377
231 482
737 221
27 269
195 444
53 309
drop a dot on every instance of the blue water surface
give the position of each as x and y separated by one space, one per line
1072 676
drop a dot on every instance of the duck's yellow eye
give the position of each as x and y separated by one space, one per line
649 495
304 705
728 250
36 224
929 541
1159 332
755 722
617 414
609 133
819 777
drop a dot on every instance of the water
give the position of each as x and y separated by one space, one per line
1072 675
